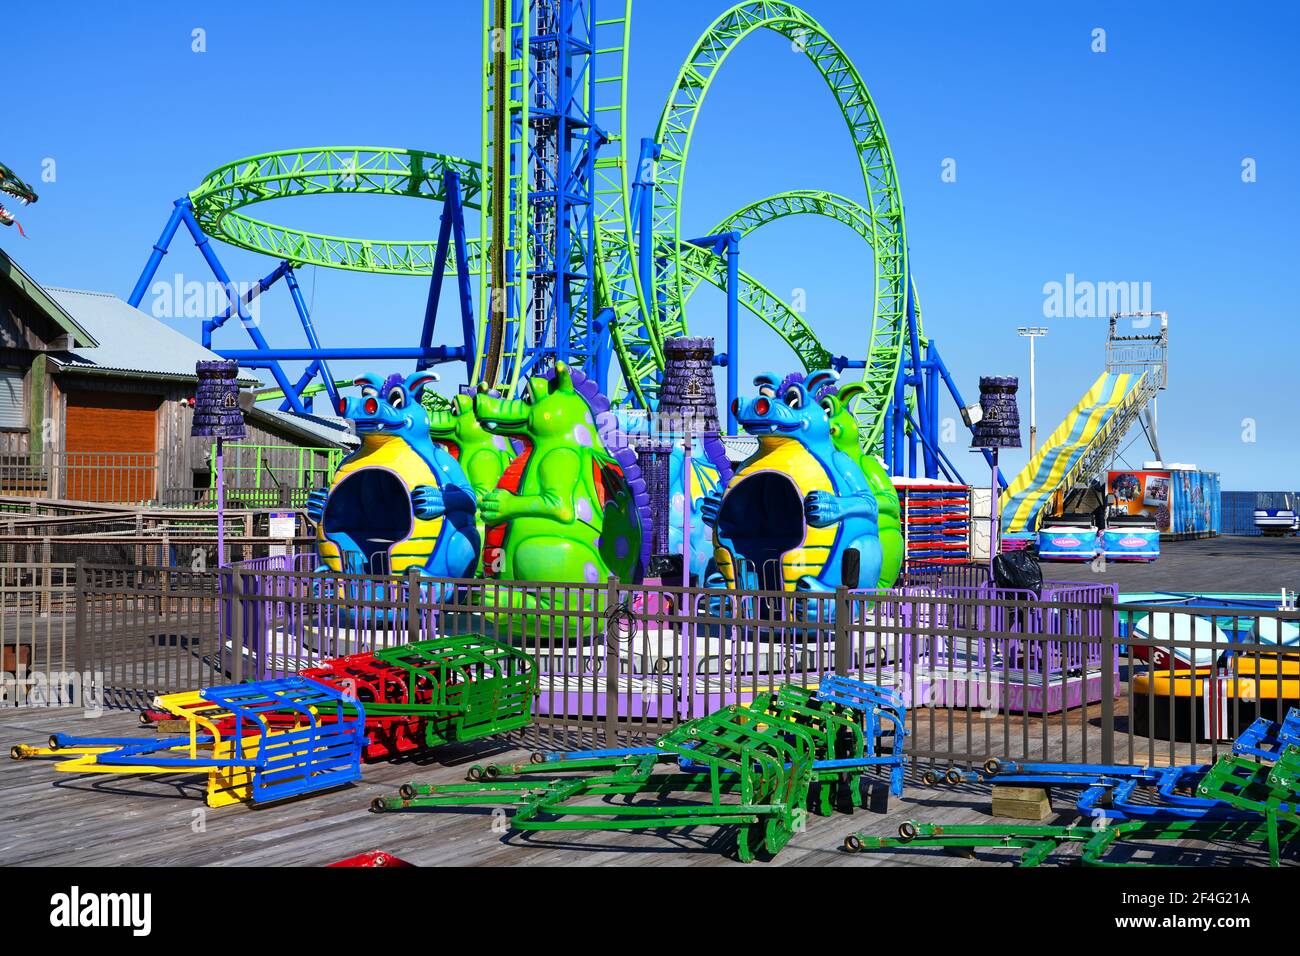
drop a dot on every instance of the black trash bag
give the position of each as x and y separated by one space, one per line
1020 570
667 568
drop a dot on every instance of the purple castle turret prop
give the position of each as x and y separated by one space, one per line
688 405
1000 425
216 401
688 396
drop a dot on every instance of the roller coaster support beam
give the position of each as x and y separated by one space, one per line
943 463
930 416
643 201
283 271
258 287
895 433
602 348
728 244
269 357
309 329
184 213
451 233
918 384
561 161
159 250
937 362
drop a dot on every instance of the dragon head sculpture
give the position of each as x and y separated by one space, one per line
13 186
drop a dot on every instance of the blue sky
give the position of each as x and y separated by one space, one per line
1122 166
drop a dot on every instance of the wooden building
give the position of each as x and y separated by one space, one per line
96 402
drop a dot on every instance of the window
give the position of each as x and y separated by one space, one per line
13 410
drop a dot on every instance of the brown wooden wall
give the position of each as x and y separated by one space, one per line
89 415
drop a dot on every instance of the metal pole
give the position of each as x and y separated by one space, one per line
156 254
686 509
1107 679
733 329
1033 404
1031 334
221 508
995 520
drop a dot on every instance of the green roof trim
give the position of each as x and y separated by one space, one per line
37 295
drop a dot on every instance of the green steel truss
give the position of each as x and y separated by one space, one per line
638 328
700 265
618 284
503 285
328 170
789 324
887 230
754 296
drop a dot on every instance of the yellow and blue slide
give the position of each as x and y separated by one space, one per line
1057 459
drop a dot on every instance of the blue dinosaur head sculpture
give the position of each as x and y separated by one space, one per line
783 408
389 406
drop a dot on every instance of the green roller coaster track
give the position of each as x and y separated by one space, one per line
797 202
637 331
887 232
330 170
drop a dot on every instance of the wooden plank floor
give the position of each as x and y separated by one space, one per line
56 819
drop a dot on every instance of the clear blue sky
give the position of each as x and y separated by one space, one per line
1116 166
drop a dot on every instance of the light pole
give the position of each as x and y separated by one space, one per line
1032 333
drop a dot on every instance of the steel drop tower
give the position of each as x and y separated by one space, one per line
540 144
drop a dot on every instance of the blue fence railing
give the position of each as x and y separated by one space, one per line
1238 508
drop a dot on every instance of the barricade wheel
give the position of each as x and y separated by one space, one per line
406 791
907 831
475 774
491 772
929 778
144 720
538 757
853 843
953 776
377 805
54 742
15 752
992 767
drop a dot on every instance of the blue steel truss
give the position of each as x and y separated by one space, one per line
262 355
565 140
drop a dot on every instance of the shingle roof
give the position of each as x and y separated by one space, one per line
129 341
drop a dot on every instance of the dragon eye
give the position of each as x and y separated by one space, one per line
767 391
794 398
396 397
828 405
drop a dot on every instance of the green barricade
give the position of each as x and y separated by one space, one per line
1267 789
1038 841
466 687
738 767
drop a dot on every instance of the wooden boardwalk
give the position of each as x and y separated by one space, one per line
56 819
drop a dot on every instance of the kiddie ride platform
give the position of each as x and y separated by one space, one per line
755 767
1249 796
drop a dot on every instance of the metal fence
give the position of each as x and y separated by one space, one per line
37 632
257 476
109 476
987 673
1238 509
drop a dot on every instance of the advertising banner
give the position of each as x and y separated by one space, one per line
1179 502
